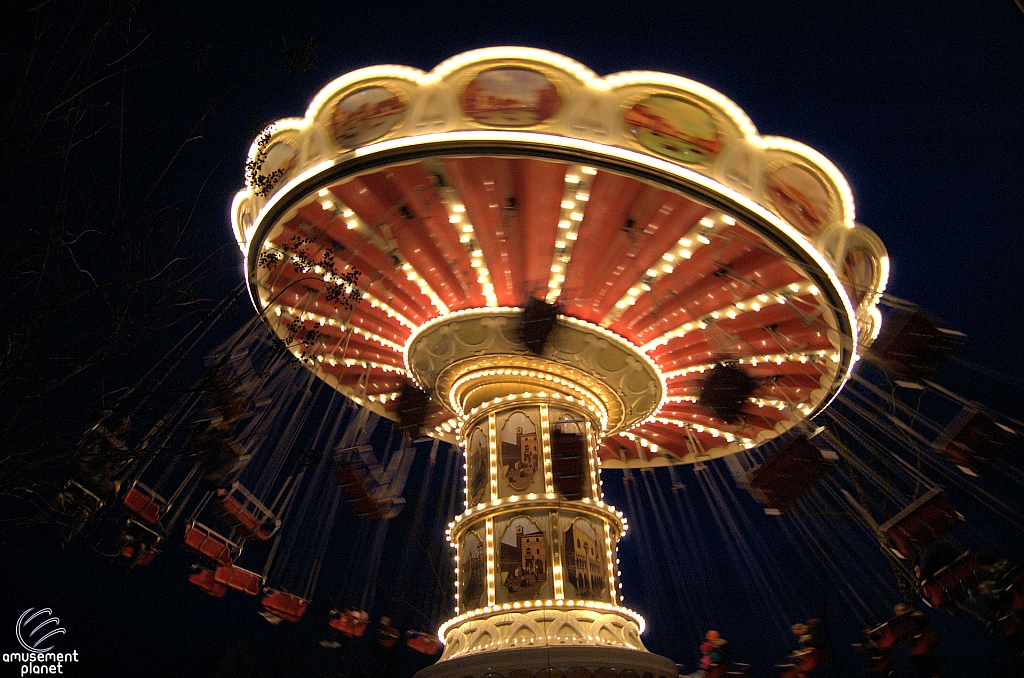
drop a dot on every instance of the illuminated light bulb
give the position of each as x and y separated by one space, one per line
347 213
458 209
324 193
568 204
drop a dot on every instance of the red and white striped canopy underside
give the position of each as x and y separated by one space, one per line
433 219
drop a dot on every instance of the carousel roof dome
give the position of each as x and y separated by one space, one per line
396 230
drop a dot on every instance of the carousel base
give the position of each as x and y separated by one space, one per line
536 662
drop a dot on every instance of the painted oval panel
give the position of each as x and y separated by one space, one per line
510 97
675 128
859 272
365 115
800 197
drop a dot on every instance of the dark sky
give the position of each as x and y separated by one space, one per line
919 103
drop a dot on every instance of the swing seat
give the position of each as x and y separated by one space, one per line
145 503
203 541
85 496
352 623
239 579
787 474
424 643
911 346
951 582
1009 625
920 525
144 559
972 441
924 641
882 662
738 670
245 513
204 579
716 671
1015 593
362 480
896 631
807 660
284 605
387 635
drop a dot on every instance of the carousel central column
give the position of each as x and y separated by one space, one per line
537 585
536 549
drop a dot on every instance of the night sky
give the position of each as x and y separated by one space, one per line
920 104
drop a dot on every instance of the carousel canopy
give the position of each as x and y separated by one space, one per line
394 233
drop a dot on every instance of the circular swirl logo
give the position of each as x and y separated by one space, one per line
34 629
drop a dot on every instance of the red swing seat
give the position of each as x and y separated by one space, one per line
362 480
716 671
284 605
387 635
145 503
912 346
804 662
972 441
920 525
144 559
1015 591
351 623
787 474
896 631
239 579
950 582
203 541
203 578
924 641
424 643
245 513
